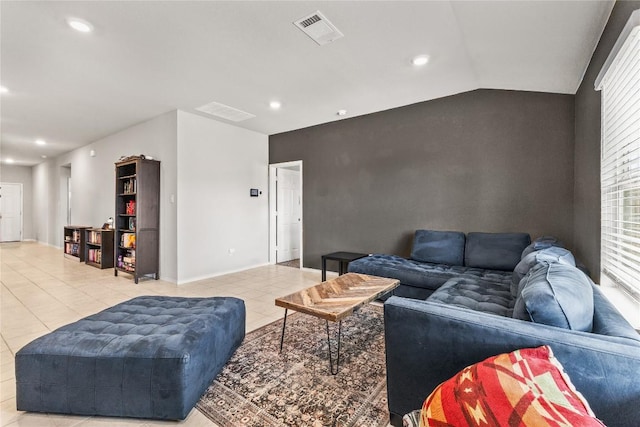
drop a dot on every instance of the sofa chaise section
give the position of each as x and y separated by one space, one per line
417 279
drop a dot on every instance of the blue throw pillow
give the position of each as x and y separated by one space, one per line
556 295
438 247
550 254
495 251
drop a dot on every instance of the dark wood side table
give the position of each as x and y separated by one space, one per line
343 258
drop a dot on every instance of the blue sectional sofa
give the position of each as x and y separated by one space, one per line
486 307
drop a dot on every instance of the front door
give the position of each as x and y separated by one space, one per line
10 212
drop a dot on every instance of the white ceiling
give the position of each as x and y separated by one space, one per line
149 57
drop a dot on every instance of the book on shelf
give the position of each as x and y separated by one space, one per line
128 240
131 253
71 248
95 237
129 186
126 263
95 255
130 207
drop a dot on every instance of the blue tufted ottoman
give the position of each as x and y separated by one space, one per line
149 357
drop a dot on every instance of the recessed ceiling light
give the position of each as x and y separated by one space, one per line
9 160
3 89
80 25
43 156
41 142
275 105
342 112
420 60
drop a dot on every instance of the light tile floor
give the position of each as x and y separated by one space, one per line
42 290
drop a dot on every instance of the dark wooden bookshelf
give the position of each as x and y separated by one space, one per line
99 247
74 242
137 220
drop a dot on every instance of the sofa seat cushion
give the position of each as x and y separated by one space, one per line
527 387
476 294
149 357
495 251
438 247
556 295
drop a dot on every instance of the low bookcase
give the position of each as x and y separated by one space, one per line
74 242
99 247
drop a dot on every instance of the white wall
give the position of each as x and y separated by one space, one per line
217 165
45 213
93 184
22 175
207 166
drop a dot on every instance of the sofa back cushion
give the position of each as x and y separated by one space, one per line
556 295
542 242
438 247
550 254
495 251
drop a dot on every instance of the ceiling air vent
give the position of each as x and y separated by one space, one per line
318 27
225 112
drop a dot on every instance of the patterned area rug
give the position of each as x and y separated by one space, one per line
261 387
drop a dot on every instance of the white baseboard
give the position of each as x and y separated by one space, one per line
330 274
211 276
48 244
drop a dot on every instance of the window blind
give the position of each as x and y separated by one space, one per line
620 166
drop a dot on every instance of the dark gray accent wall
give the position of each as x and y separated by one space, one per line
486 160
587 145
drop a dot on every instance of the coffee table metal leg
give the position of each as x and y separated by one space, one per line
330 353
284 324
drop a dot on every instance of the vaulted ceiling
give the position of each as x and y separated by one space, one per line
145 58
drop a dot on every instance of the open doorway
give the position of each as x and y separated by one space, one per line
65 193
285 214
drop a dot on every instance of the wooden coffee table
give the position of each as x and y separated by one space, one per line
334 300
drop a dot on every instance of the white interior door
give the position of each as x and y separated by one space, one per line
295 247
289 210
10 212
